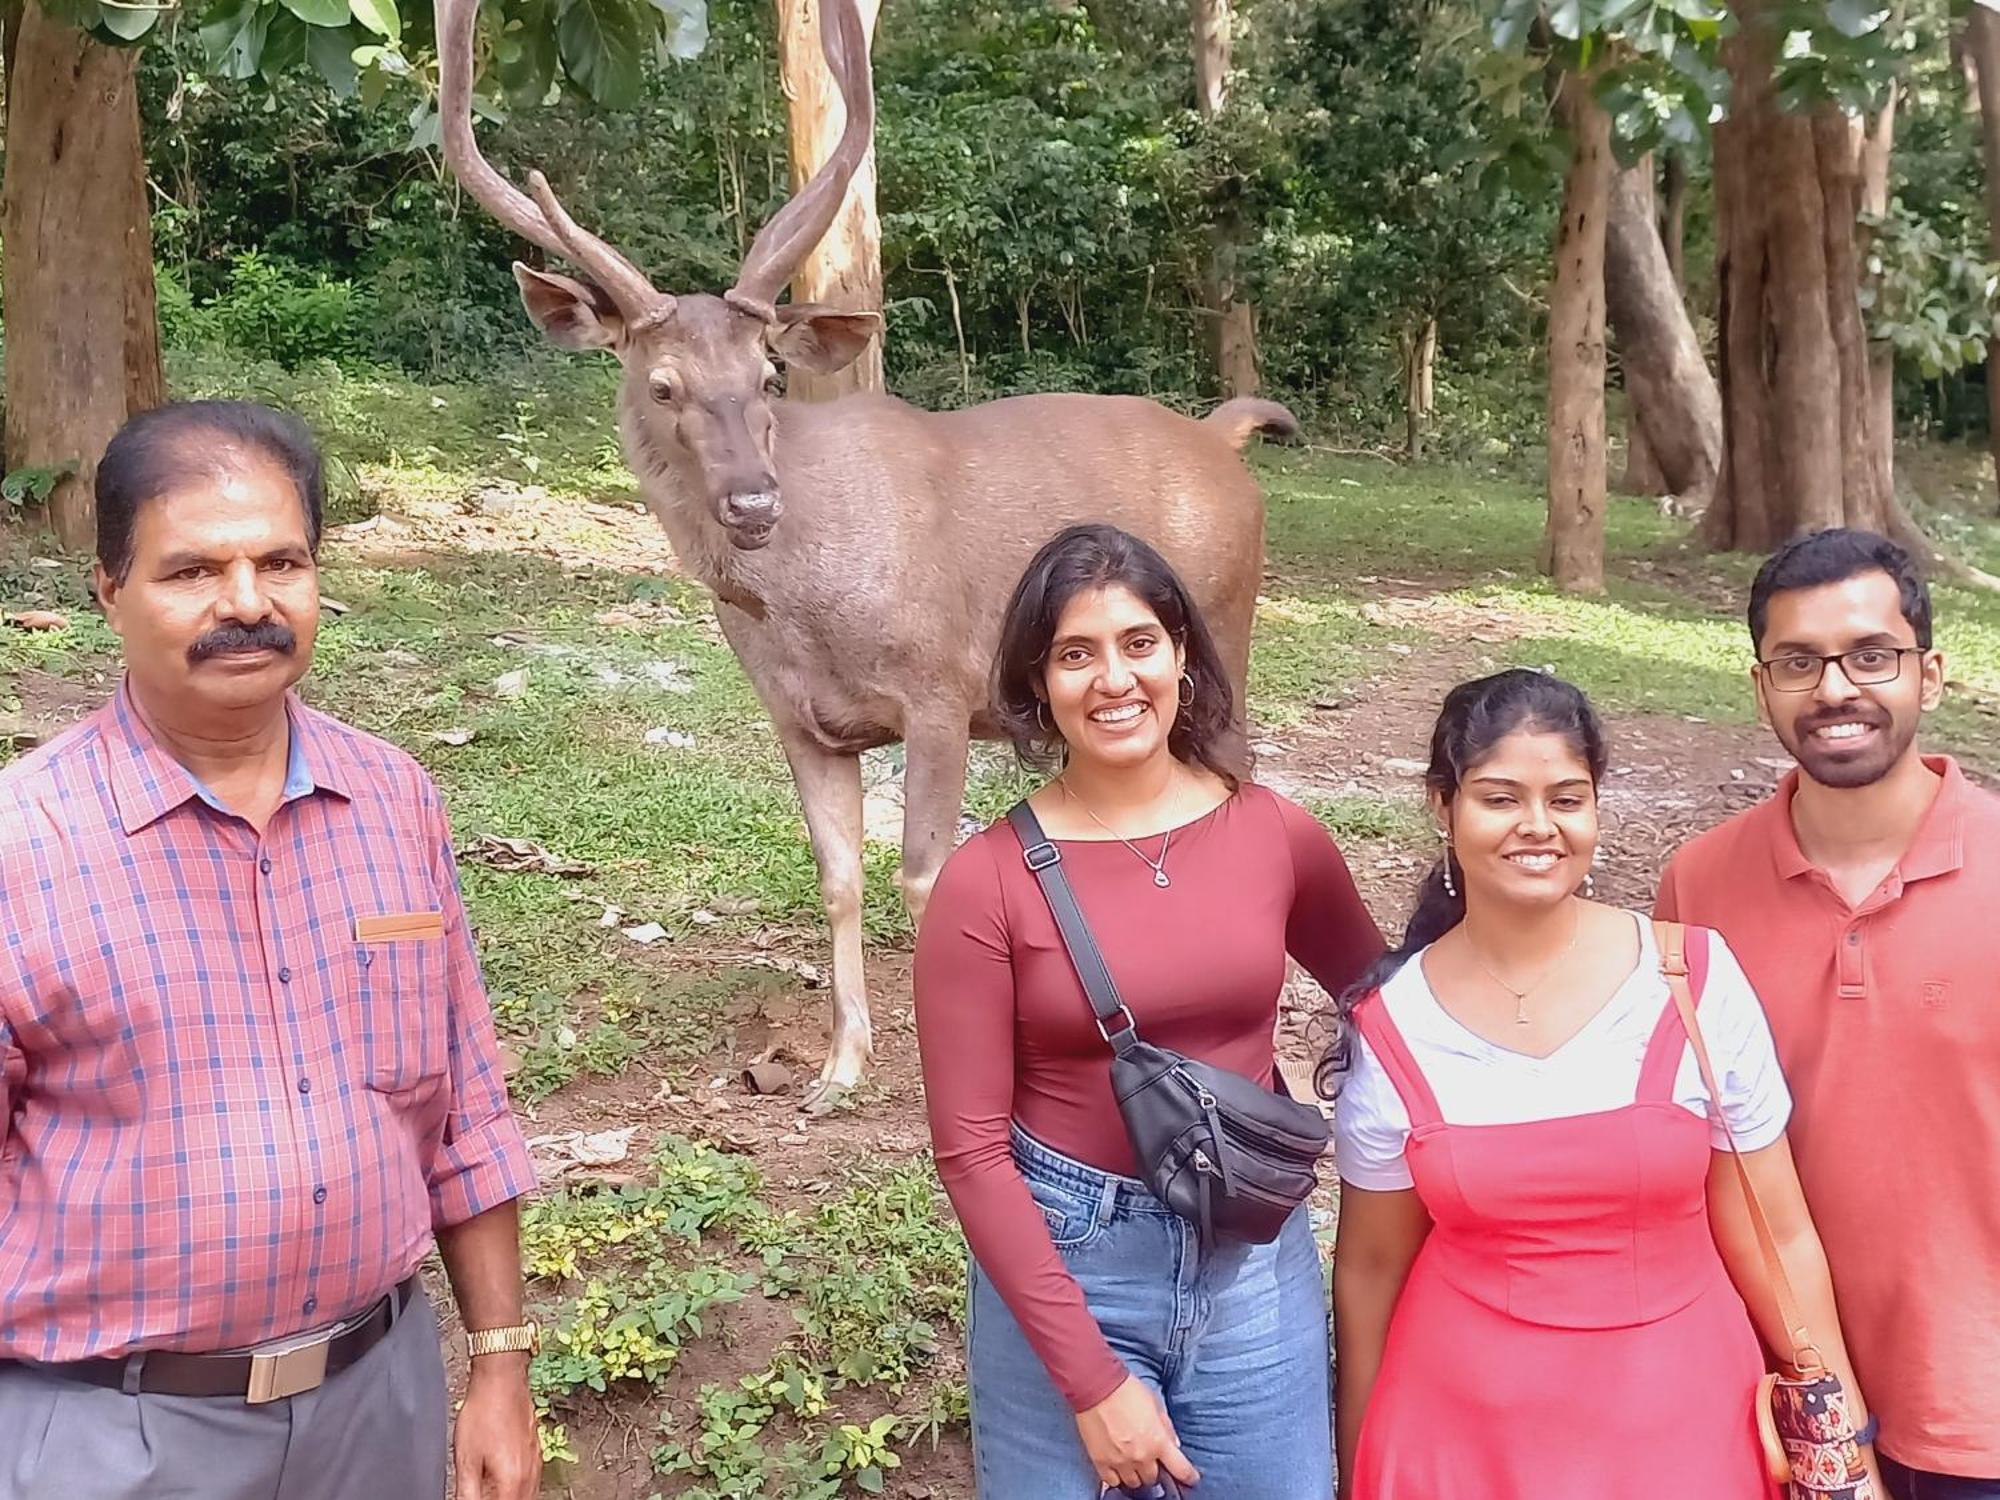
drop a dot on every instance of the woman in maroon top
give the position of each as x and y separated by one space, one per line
1105 1344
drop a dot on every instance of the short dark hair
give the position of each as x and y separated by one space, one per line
169 446
1834 556
1100 556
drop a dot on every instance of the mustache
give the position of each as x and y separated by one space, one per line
265 635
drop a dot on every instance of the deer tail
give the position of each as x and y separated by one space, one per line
1238 420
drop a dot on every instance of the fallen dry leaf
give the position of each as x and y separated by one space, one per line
646 933
455 736
520 856
39 619
511 684
334 606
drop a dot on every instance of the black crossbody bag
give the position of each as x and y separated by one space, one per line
1229 1155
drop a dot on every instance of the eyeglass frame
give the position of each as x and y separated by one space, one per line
1841 657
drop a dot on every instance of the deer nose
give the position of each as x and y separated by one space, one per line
753 510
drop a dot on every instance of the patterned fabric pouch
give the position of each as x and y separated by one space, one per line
1807 1431
1811 1423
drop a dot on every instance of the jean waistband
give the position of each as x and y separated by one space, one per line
1114 1192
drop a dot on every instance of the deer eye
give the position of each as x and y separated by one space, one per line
663 390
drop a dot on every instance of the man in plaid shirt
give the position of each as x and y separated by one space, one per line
247 1069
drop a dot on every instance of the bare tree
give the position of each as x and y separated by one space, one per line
1676 411
83 345
1982 37
1801 448
1233 320
844 269
1574 549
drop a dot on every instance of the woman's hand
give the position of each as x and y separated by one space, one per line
1129 1438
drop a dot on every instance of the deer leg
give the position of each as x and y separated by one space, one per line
933 793
830 791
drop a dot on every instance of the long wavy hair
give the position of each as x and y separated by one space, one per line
1206 731
1475 718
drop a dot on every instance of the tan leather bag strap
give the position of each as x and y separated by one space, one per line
1804 1355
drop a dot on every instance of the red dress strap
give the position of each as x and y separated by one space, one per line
1670 1039
1371 1016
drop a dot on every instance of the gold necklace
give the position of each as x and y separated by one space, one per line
1521 996
1157 866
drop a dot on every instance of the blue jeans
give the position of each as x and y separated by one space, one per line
1915 1484
1234 1341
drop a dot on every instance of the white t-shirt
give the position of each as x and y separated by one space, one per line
1478 1083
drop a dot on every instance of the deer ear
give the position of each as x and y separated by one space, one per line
819 339
572 314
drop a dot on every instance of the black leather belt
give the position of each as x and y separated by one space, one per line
285 1367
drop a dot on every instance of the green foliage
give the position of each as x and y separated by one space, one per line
271 308
1934 302
875 1273
33 484
730 1457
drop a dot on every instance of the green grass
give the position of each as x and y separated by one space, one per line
1360 818
1634 651
1342 519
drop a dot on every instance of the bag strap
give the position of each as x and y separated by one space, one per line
1044 859
1673 940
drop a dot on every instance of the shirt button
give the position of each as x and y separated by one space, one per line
319 1195
1853 938
264 866
284 976
305 1085
310 1304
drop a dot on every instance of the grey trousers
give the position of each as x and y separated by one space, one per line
375 1431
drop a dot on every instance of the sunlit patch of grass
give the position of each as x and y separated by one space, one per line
1311 645
1634 651
1344 518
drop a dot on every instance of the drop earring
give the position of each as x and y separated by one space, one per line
1450 889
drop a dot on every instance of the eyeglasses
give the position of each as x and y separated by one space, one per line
1865 666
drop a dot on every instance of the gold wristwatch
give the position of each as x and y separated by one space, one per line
523 1338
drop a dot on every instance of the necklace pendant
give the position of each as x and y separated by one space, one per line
1160 879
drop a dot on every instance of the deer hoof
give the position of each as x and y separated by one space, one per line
824 1097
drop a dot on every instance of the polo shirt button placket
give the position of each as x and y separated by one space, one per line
1853 975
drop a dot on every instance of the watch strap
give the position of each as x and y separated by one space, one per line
522 1338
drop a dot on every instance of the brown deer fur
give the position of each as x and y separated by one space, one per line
861 550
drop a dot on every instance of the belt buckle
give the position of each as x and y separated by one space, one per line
288 1370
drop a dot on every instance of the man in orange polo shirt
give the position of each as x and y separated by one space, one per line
1864 902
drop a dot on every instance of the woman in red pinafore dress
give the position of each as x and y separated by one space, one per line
1536 1297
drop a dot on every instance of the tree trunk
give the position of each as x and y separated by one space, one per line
1873 148
1232 320
1673 218
1419 386
845 269
1982 37
1676 421
1800 452
1574 547
82 330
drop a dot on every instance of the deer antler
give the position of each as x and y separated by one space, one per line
801 224
546 225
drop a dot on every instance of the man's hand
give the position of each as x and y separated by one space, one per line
495 1449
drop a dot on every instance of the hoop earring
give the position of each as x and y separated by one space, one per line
1186 694
1042 717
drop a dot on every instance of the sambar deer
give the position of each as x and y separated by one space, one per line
861 550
